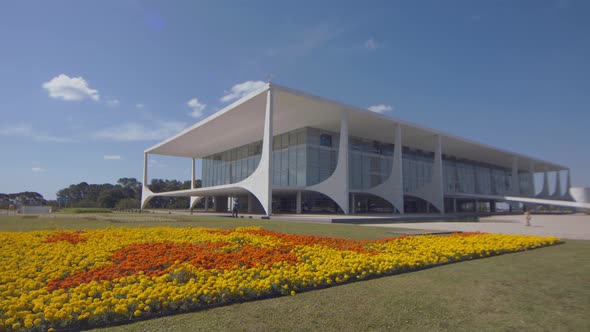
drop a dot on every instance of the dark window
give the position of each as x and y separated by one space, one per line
326 140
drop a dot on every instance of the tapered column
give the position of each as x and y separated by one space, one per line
146 193
392 189
568 184
557 192
145 169
336 185
298 202
193 175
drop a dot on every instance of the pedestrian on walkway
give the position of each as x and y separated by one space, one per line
235 208
527 218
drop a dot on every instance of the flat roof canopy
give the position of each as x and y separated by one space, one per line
243 122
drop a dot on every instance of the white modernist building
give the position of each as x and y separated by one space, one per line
282 150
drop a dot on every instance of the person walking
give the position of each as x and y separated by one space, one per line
527 218
235 208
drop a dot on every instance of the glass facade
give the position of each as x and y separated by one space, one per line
369 163
308 156
417 168
301 157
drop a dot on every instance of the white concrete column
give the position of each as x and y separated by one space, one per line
557 192
193 175
259 183
146 193
298 202
545 190
392 189
336 185
531 189
568 184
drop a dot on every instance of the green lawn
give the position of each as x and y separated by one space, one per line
546 289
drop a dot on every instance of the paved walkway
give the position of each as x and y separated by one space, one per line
570 226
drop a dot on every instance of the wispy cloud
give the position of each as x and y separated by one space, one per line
139 132
139 105
112 102
241 90
112 157
380 108
197 108
38 169
27 131
373 44
70 88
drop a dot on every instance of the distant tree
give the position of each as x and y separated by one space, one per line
110 198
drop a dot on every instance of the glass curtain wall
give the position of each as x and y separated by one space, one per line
369 163
417 168
301 157
231 166
467 177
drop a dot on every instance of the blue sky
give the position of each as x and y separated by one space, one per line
86 86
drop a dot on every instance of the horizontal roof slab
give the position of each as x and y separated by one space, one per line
243 122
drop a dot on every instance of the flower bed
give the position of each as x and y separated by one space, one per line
75 279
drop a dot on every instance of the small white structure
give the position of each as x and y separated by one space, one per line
29 209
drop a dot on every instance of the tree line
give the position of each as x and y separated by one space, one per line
125 194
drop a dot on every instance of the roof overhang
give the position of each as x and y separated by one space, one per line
242 123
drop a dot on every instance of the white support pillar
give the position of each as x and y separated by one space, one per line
531 189
146 193
193 175
259 183
568 184
557 192
392 189
336 185
145 169
545 190
298 202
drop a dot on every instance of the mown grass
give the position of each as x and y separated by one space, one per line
539 290
84 210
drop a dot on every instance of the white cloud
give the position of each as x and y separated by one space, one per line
70 88
381 108
112 102
138 105
112 157
38 169
372 44
243 89
27 131
138 132
197 108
